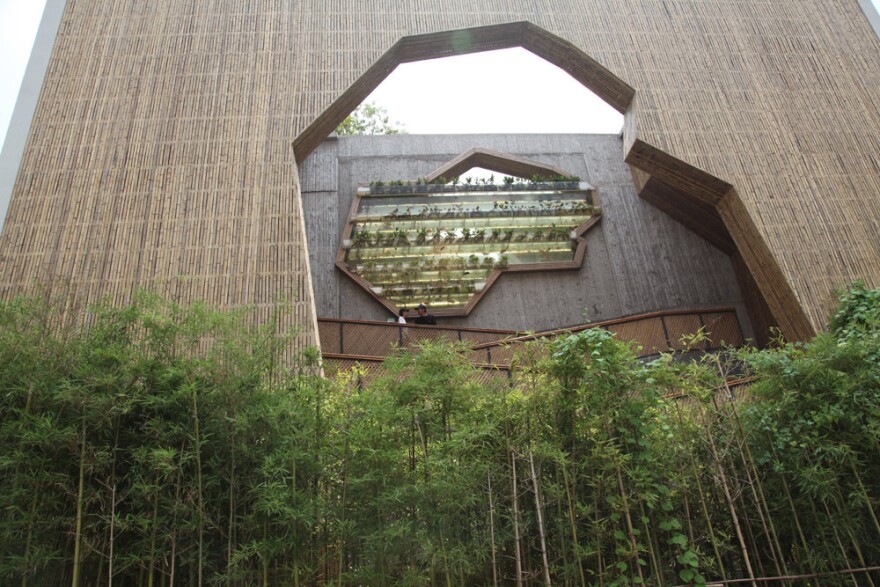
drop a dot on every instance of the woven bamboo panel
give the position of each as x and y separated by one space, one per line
678 327
648 334
723 329
481 337
160 152
501 354
332 336
159 157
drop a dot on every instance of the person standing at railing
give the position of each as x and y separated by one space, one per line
424 317
402 315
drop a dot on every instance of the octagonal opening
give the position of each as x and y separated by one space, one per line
545 45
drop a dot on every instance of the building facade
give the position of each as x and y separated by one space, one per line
167 137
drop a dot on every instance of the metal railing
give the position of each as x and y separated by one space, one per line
656 332
380 339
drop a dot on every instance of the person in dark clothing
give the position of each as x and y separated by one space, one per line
424 317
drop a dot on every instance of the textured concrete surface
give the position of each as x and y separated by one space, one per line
638 259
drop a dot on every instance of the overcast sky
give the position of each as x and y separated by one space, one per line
417 94
18 25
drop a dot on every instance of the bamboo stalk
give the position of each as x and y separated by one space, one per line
573 524
847 527
516 531
864 491
231 509
654 552
540 512
152 566
755 483
629 524
29 538
600 560
112 528
729 499
839 542
492 529
703 505
199 495
77 544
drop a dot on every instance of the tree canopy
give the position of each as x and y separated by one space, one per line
369 119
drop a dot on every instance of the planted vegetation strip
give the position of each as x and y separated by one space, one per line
576 469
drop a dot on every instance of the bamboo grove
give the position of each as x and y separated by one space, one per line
161 445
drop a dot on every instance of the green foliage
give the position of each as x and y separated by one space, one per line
192 446
164 411
369 119
857 314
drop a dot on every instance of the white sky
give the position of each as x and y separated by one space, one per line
19 20
521 93
419 102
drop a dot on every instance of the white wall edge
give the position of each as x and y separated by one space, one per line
26 103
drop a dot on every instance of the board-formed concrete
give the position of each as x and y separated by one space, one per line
638 259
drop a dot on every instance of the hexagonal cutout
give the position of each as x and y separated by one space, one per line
443 242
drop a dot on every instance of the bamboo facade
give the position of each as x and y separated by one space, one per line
161 154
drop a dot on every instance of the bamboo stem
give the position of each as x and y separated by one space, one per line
231 511
516 532
540 512
847 527
839 542
153 530
573 524
77 541
492 529
29 538
729 499
703 505
864 491
629 524
199 496
112 528
754 479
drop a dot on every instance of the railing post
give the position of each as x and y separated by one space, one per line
707 344
665 333
342 338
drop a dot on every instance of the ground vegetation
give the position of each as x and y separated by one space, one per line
158 445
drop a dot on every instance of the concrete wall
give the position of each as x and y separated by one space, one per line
638 259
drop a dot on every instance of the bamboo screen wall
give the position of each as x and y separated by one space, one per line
160 156
160 153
